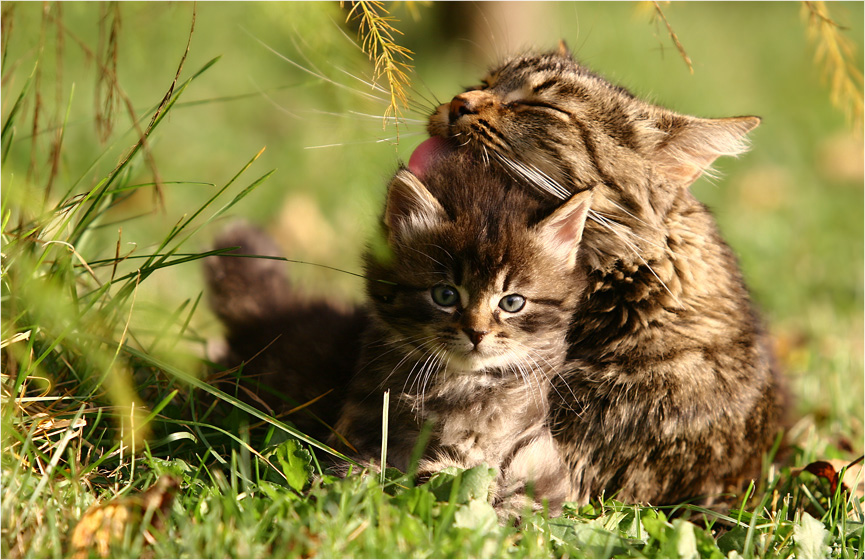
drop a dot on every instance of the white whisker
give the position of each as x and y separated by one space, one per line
535 177
362 142
601 220
315 74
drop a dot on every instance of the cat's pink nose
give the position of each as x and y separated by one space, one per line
475 336
468 103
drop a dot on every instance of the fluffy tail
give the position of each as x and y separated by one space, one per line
293 349
243 291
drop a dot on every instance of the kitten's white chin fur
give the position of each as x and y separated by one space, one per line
461 363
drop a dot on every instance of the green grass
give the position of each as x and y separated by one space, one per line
105 330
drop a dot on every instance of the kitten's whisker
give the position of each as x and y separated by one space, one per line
411 374
273 102
357 115
555 372
435 98
416 377
428 351
429 373
413 343
526 378
534 370
556 187
597 217
369 83
610 223
625 210
397 367
445 251
428 256
385 342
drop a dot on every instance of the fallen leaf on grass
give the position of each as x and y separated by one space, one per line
831 471
104 524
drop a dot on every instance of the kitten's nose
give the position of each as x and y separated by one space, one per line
475 336
468 103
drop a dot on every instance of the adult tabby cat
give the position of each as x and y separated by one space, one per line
669 372
660 387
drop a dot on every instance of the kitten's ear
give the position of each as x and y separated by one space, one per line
563 50
562 230
690 145
410 206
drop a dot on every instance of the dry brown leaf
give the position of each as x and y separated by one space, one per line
831 470
104 524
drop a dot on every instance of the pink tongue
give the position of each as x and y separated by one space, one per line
426 153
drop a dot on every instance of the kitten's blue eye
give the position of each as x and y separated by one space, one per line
512 303
444 295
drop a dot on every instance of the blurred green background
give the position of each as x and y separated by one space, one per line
792 208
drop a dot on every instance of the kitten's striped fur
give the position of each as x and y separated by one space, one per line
481 375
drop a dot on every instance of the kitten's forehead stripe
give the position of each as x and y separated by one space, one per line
508 278
574 90
556 303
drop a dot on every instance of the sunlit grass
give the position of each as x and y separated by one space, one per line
118 440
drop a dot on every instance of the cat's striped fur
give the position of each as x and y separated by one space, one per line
669 369
647 374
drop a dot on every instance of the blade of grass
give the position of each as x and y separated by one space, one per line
98 193
10 119
198 384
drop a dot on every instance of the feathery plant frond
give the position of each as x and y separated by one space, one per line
392 61
835 53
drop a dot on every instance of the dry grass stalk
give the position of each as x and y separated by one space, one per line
107 80
107 96
835 53
660 15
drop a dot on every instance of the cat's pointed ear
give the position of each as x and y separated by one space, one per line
563 50
561 231
410 206
690 145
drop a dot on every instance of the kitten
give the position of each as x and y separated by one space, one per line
471 293
471 287
669 372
